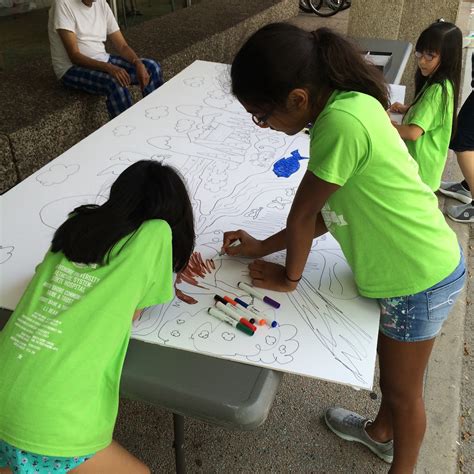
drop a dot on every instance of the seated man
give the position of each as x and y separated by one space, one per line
77 32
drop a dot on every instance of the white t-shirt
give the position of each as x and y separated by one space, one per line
90 24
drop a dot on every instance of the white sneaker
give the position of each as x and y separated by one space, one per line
351 427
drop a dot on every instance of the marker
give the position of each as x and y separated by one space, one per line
233 244
227 300
227 319
254 310
234 315
257 294
241 308
245 322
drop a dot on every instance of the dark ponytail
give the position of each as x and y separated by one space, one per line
281 57
145 190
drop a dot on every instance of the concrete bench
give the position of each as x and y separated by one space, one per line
42 119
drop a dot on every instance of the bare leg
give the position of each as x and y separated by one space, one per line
5 470
114 459
402 368
466 163
381 429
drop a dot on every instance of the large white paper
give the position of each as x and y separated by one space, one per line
326 330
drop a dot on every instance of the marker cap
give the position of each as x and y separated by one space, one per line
244 329
271 302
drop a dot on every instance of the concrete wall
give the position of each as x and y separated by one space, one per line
49 119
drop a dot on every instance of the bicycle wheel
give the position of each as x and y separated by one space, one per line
305 7
327 8
334 4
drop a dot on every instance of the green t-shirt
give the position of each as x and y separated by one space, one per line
435 117
62 351
384 217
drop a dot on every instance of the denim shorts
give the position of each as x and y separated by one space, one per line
24 462
419 317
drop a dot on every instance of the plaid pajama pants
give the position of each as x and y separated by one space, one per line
101 83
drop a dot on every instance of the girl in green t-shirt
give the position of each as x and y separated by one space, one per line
62 350
429 121
362 185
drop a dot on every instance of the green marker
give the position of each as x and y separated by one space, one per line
227 319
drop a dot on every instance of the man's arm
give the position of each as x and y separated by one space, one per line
126 52
69 40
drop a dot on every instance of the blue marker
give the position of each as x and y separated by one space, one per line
255 311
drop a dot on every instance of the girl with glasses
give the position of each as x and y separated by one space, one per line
430 120
361 185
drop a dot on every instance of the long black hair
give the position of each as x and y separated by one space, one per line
281 57
145 190
445 39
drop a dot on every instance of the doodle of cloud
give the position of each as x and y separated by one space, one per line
55 212
184 125
6 253
228 336
175 333
155 113
56 174
203 334
194 81
278 347
123 130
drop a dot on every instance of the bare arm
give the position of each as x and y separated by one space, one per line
124 50
251 247
122 47
409 132
69 40
304 223
310 198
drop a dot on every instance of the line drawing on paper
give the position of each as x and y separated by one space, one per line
57 174
6 253
239 176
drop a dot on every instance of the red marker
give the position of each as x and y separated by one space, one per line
242 308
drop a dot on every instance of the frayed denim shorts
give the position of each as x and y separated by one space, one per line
419 317
24 462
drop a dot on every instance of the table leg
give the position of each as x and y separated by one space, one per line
178 443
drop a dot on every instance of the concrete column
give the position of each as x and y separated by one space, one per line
375 18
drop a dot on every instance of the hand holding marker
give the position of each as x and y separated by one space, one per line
233 244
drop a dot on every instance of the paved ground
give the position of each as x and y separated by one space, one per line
294 438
